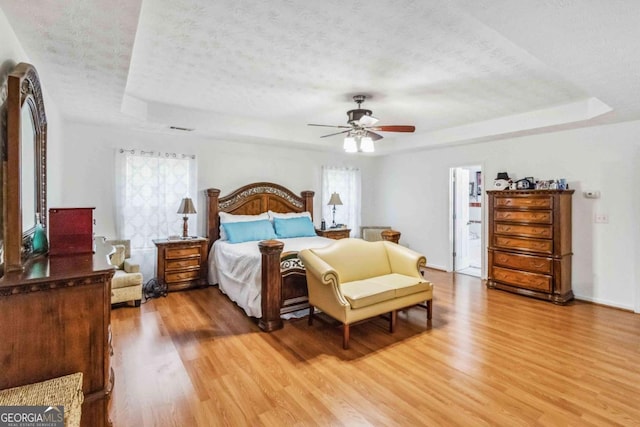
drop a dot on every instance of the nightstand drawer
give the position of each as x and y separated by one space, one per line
181 264
182 276
172 253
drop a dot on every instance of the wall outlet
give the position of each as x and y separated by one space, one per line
601 218
591 194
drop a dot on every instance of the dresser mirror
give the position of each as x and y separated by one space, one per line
25 193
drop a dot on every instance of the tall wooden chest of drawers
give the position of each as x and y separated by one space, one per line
182 263
530 243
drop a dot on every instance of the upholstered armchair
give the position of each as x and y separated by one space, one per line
126 284
352 279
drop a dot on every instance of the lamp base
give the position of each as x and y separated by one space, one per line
185 227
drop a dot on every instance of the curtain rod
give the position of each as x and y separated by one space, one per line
157 153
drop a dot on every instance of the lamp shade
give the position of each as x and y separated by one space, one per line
350 145
186 206
335 199
366 145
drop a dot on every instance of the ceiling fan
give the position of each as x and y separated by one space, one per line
361 128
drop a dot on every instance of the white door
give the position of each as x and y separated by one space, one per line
461 219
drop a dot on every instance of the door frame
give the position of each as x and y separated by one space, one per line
483 226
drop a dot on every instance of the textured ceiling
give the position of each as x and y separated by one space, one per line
259 71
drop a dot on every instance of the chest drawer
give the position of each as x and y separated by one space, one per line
534 281
524 244
540 217
173 253
524 262
540 231
521 202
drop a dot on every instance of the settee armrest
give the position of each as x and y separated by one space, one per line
404 260
318 267
131 267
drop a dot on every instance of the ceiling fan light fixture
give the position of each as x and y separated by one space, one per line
366 144
350 145
367 120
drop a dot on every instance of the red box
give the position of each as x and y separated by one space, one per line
70 231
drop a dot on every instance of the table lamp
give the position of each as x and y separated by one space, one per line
334 200
186 208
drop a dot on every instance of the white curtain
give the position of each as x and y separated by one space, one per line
346 182
149 188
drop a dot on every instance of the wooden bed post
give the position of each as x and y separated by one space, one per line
271 285
308 201
391 236
213 225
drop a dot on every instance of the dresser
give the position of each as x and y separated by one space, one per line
530 243
334 233
55 318
182 263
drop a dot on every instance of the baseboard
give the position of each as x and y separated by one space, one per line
437 267
607 303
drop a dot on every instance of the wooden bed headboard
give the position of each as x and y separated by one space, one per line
253 199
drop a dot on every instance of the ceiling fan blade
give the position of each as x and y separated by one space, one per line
337 133
395 128
330 126
374 136
367 120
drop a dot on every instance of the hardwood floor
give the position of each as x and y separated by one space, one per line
487 358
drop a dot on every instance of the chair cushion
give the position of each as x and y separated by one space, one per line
362 293
403 285
123 280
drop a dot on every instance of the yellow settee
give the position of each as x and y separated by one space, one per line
352 279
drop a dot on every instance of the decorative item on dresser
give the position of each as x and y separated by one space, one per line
70 231
334 233
55 318
182 263
530 243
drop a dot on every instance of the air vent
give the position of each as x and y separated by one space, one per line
181 128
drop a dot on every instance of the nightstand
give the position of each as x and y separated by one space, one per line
182 263
334 233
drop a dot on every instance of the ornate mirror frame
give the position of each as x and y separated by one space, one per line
24 91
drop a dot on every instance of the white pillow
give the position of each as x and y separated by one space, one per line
273 214
227 217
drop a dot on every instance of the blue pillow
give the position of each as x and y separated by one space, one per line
294 227
238 232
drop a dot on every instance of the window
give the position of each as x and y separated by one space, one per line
149 188
345 182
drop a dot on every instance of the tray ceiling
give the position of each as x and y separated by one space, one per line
259 71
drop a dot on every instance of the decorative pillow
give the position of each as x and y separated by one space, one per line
227 217
294 227
273 215
246 231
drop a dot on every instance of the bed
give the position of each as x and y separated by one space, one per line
281 280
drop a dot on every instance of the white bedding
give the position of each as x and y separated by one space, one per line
236 268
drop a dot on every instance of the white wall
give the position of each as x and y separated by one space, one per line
414 199
12 53
88 161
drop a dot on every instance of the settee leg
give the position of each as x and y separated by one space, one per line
345 336
392 321
429 309
136 303
311 310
